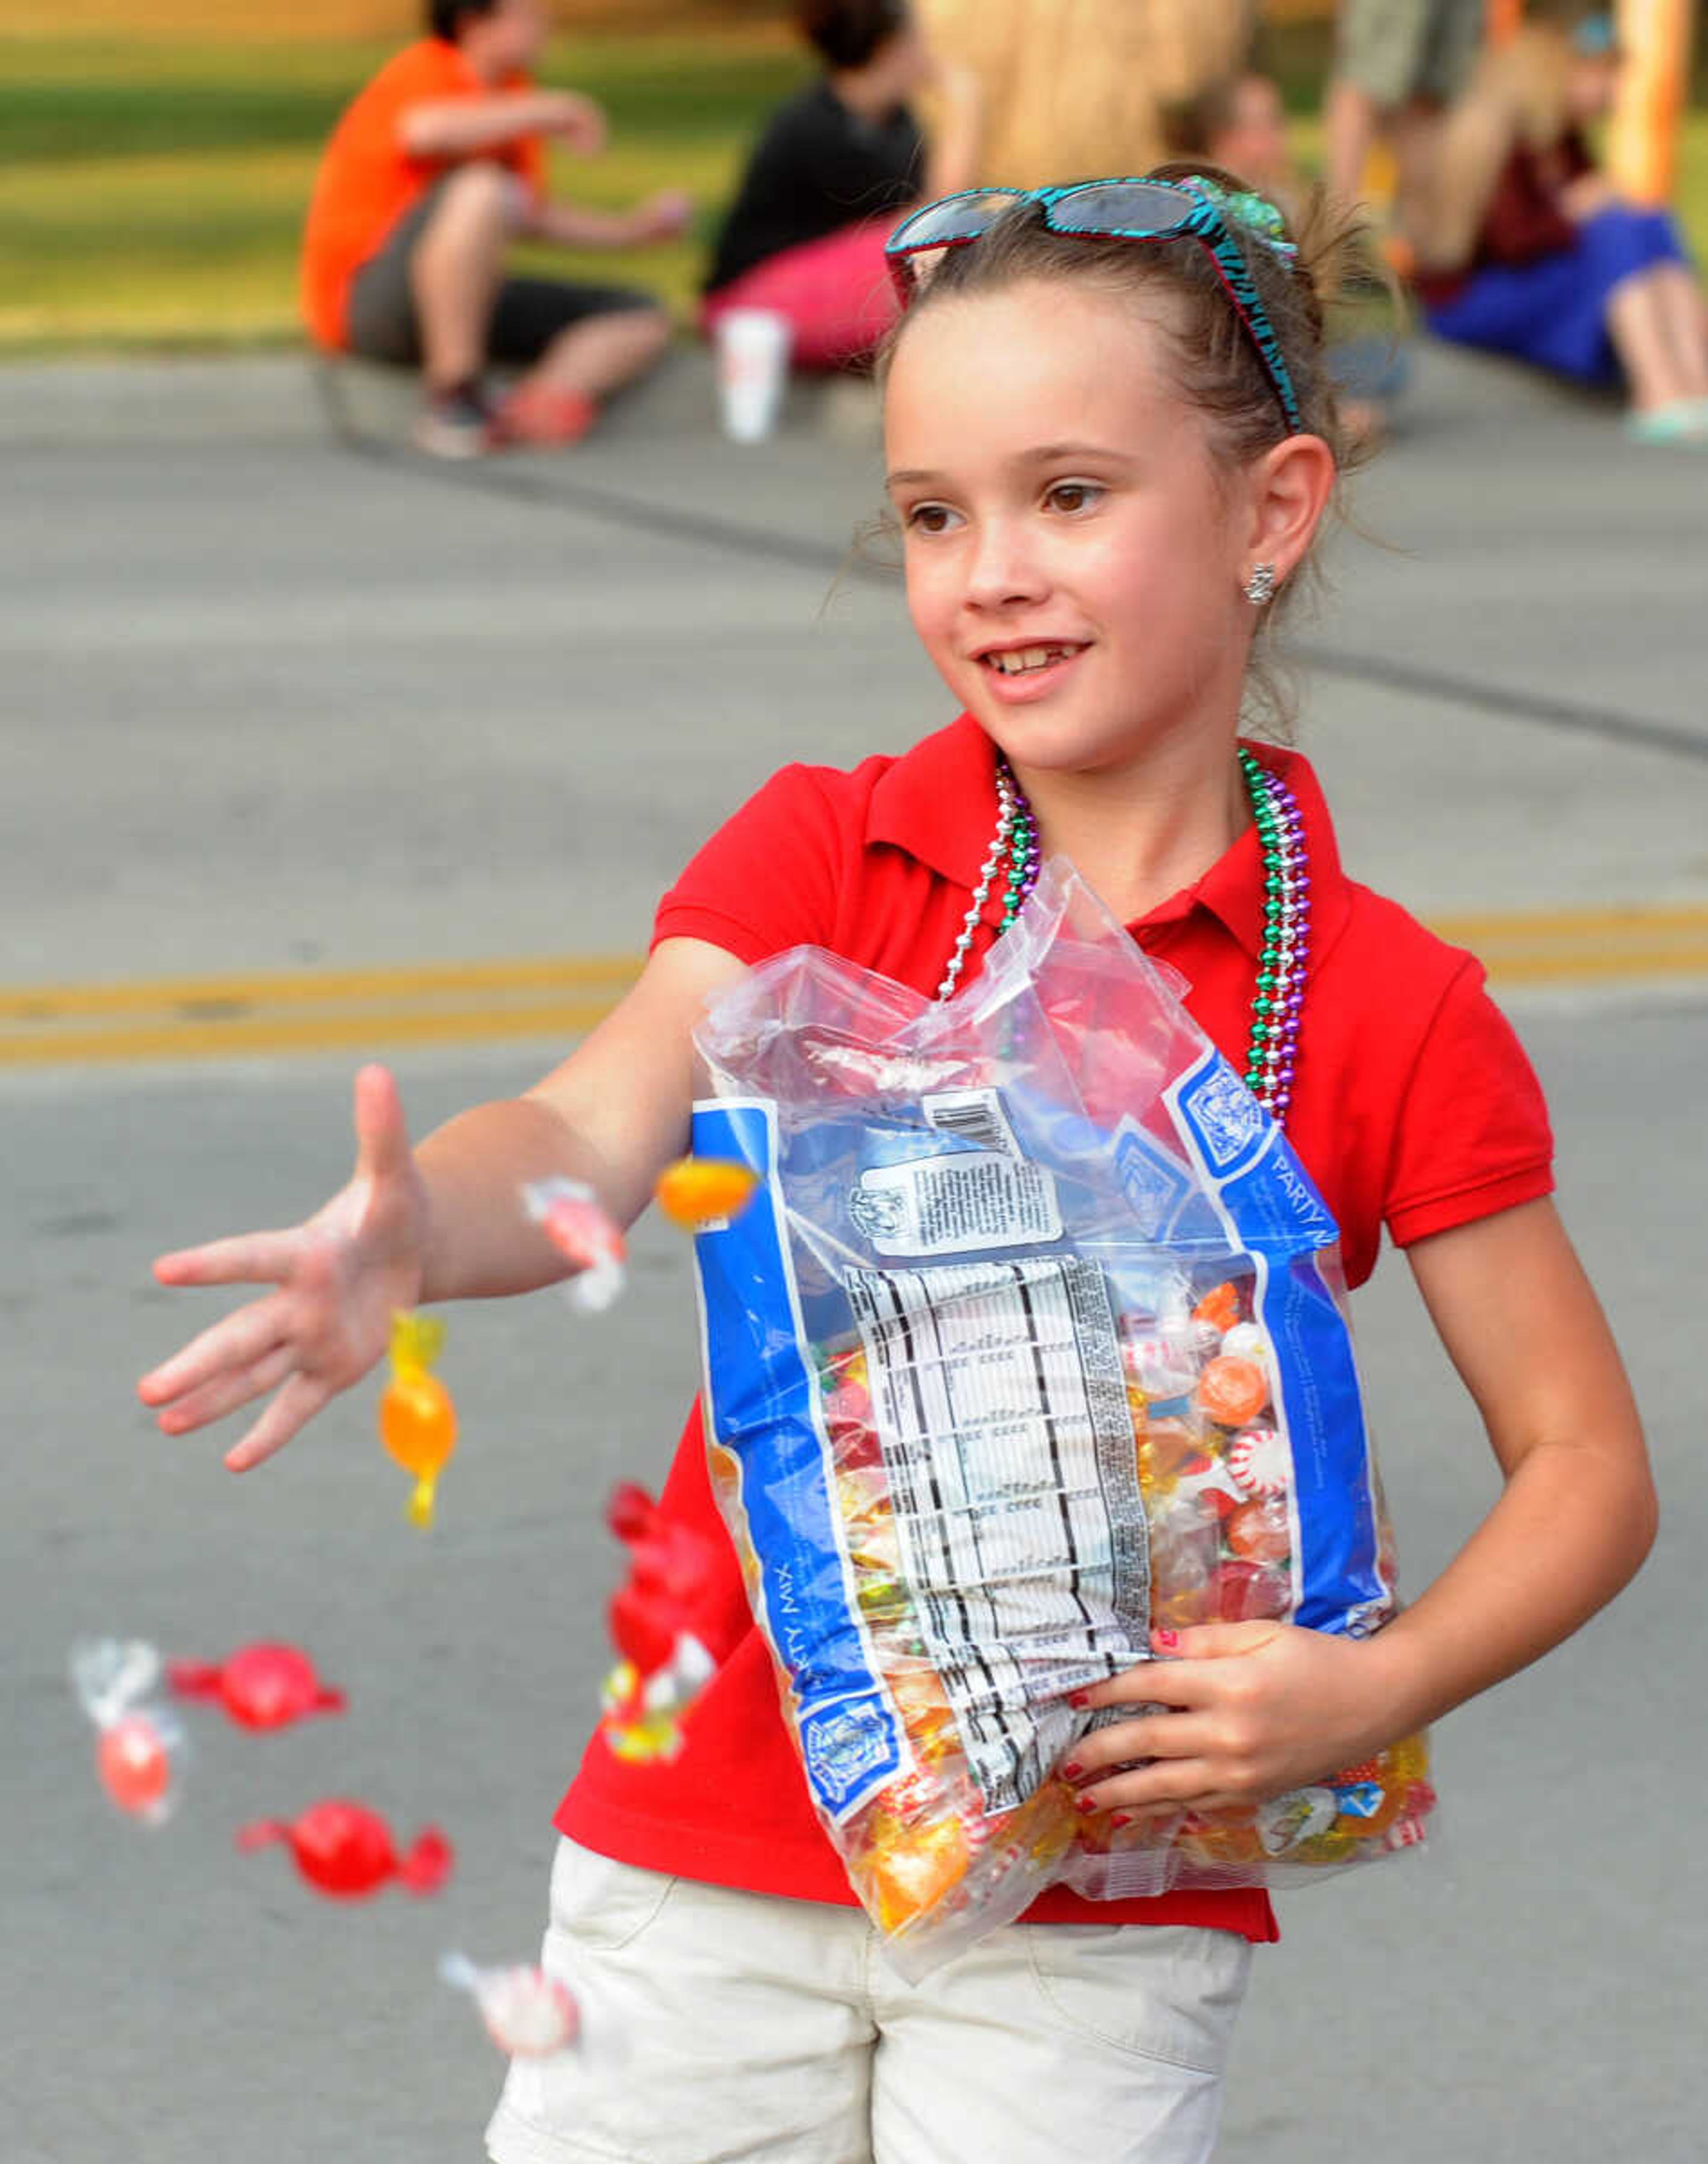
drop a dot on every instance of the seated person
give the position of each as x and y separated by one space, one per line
436 167
1241 125
1528 251
832 175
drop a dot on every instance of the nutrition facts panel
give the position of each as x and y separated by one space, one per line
999 1401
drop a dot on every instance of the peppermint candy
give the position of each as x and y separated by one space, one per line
1257 1459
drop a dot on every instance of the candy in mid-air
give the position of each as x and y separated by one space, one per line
344 1850
262 1686
657 1618
695 1192
528 2014
139 1742
569 1215
417 1421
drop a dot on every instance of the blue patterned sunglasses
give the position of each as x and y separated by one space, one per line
1116 210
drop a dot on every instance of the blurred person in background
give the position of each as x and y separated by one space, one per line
1398 65
1240 124
833 171
1526 250
437 165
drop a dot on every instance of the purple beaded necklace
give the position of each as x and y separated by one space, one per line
1279 996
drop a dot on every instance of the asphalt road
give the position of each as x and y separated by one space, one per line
271 704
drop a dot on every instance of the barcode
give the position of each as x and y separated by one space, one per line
972 1116
997 1397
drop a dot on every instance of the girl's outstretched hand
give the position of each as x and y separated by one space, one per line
1252 1709
337 1279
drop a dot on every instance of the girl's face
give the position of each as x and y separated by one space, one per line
1074 560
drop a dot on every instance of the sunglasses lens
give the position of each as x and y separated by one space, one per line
1118 207
957 218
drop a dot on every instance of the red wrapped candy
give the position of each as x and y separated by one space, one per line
261 1686
344 1850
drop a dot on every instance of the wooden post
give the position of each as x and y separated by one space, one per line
1642 146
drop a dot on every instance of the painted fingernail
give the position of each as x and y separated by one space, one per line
1088 1804
1072 1770
1121 1819
1080 1699
1168 1640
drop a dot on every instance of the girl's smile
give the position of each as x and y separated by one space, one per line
1080 594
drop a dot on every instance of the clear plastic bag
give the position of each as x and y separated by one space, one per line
1033 1339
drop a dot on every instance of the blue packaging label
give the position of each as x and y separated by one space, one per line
1272 1212
762 1404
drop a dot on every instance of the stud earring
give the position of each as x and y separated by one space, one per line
1260 587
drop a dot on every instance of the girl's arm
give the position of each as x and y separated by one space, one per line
1260 1708
442 1222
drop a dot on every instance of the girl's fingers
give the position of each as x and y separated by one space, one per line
224 1395
295 1406
382 1135
247 1258
1161 1735
234 1341
1171 1784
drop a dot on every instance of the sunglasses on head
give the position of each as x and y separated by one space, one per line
1114 210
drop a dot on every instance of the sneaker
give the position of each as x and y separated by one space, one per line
1681 421
455 424
535 413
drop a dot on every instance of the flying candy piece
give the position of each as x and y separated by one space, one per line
344 1850
697 1191
261 1686
569 1213
641 1718
528 2014
655 1619
417 1421
139 1743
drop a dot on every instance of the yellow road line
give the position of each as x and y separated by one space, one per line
234 994
237 1015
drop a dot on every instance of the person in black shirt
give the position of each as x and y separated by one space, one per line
832 174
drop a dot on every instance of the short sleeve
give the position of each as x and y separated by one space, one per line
1474 1137
768 879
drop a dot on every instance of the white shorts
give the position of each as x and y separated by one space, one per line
721 2025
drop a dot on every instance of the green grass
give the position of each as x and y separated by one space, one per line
151 194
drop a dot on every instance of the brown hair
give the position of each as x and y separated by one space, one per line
847 33
1211 358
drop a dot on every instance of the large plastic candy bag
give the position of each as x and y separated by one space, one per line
1033 1340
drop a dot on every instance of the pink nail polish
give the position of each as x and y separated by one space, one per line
1088 1804
1079 1699
1168 1640
1121 1819
1072 1770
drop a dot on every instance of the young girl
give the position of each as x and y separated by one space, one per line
1108 467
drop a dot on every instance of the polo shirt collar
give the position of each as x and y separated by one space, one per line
937 802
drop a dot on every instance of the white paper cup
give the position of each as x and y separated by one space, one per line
752 368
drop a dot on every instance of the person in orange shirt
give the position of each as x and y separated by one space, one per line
433 171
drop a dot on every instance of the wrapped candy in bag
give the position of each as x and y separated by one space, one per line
1033 1340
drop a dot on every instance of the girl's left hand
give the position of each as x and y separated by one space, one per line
1252 1711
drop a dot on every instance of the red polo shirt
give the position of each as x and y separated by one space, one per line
1413 1107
